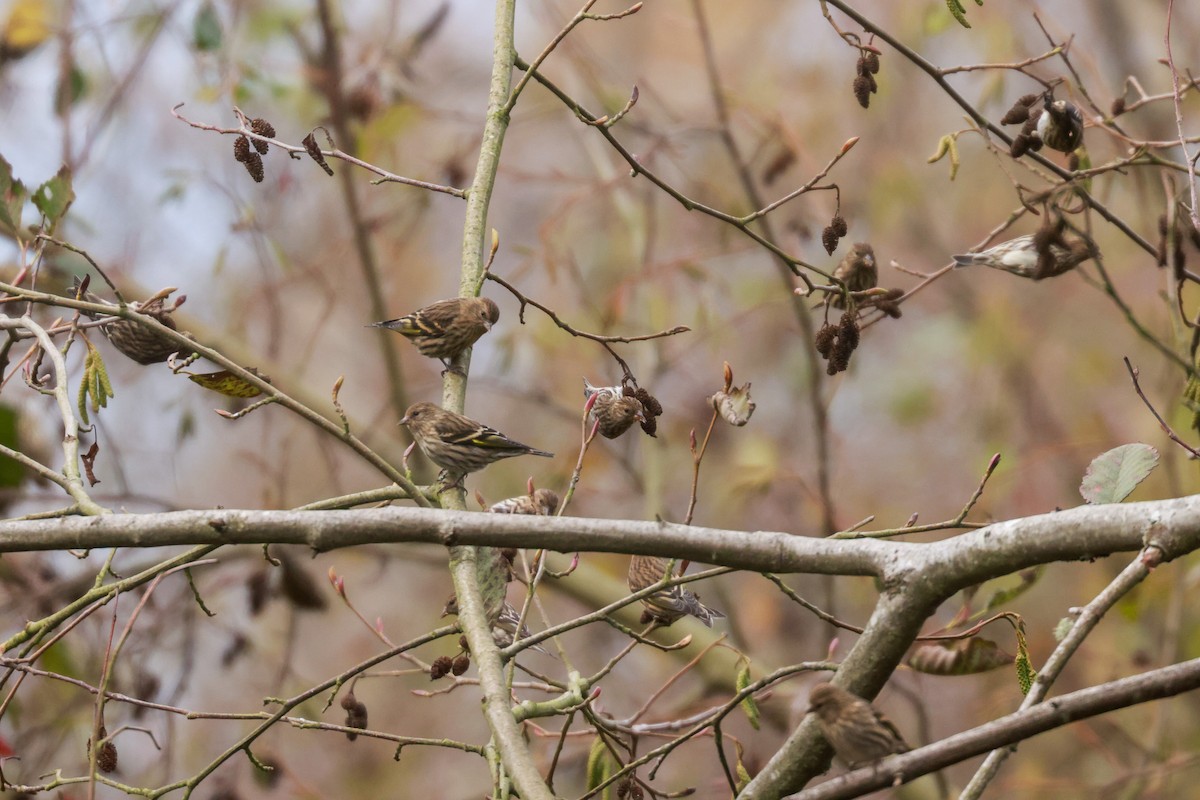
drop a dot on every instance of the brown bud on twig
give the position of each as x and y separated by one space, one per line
1118 107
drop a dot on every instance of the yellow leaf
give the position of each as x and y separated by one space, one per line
225 383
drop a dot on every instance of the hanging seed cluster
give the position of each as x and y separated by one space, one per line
865 71
833 233
836 343
651 408
356 713
1024 114
252 159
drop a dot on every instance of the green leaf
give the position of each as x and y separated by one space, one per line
55 196
748 705
1113 475
11 472
12 198
206 29
1025 671
599 765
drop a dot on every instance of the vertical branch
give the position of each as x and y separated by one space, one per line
514 753
331 63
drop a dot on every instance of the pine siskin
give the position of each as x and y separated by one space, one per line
667 605
504 624
1060 125
857 270
460 444
543 502
446 328
1021 256
858 733
613 411
135 340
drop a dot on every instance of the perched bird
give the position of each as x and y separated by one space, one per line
1022 256
857 732
1060 125
613 411
460 444
135 340
446 328
543 502
504 624
666 605
857 270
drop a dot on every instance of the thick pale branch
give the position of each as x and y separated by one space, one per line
1080 533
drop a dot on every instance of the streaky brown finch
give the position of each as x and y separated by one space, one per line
543 502
1060 127
858 733
857 270
460 444
135 340
666 605
1022 256
504 624
444 329
613 411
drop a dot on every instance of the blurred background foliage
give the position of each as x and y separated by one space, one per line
980 363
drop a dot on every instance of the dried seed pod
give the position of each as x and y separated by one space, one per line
829 239
1020 110
356 714
440 667
314 152
649 402
872 84
824 340
254 165
838 223
873 63
1020 145
1118 107
241 149
106 755
262 128
460 664
862 91
848 330
860 67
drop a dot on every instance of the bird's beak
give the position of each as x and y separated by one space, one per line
403 420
